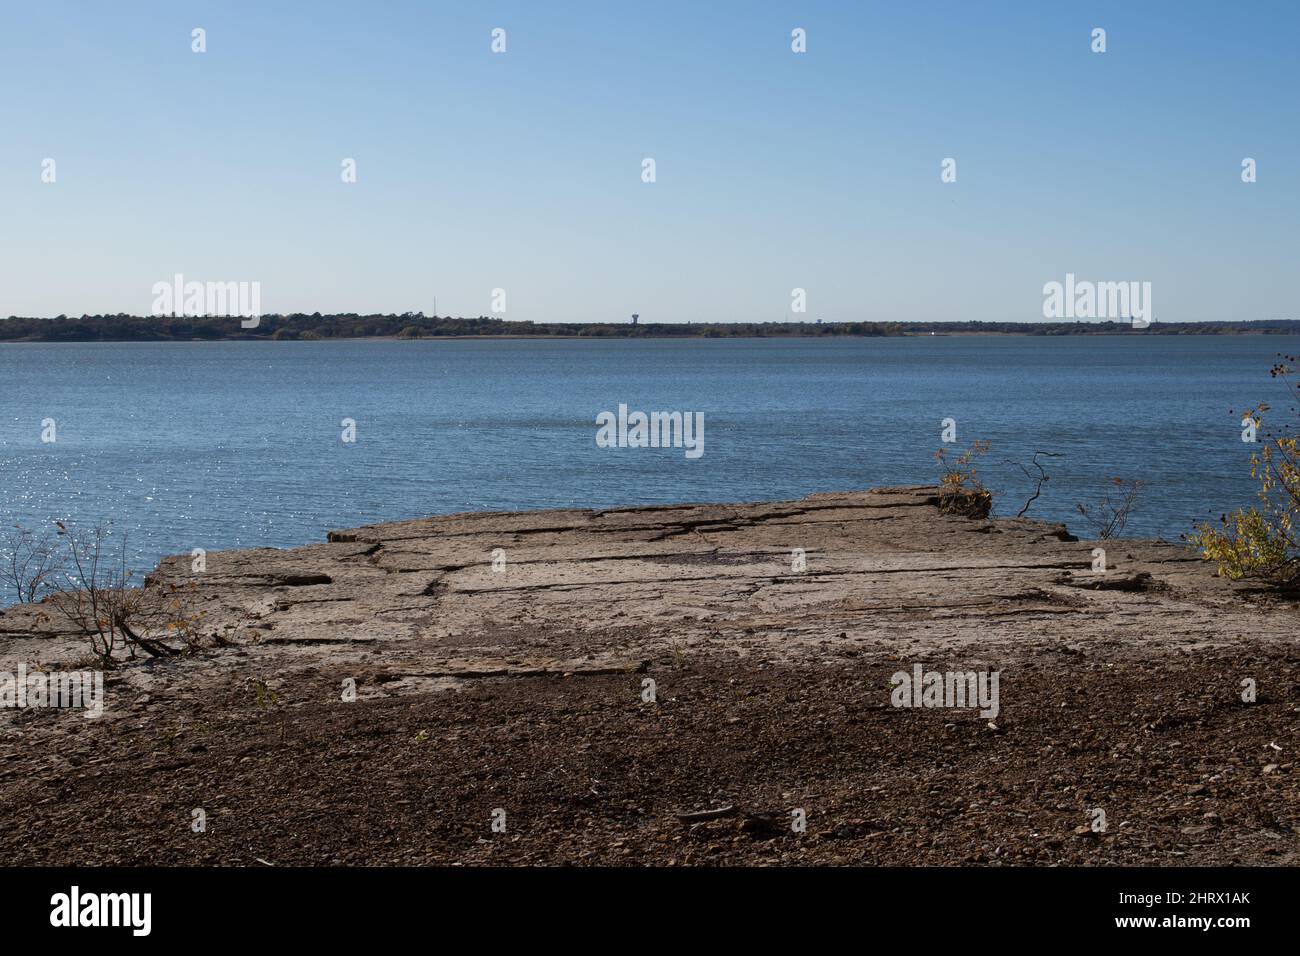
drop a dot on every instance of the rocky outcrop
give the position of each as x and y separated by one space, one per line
433 602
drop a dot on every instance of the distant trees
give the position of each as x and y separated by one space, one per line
160 328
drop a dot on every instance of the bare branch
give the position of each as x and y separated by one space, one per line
1040 478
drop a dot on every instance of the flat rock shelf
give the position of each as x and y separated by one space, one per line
676 685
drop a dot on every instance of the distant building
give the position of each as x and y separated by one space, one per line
635 316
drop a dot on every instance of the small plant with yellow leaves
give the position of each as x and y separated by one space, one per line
961 492
1261 542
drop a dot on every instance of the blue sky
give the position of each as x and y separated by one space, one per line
775 170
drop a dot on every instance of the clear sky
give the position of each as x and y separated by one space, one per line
775 170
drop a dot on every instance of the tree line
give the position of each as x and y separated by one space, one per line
416 325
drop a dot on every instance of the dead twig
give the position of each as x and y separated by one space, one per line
1041 478
700 815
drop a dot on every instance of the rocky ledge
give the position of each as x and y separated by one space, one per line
677 684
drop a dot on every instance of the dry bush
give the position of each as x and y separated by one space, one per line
28 561
961 492
98 597
1109 516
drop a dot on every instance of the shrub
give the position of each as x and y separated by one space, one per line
1261 541
28 561
1108 517
95 593
960 490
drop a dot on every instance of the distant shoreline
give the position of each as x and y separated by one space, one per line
607 338
418 327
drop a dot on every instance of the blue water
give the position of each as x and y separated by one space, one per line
220 445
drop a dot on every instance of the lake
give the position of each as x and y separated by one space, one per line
239 444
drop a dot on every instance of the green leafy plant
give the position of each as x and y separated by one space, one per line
263 695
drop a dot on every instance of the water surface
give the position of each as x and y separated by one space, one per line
236 444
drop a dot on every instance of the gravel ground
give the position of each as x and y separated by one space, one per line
588 773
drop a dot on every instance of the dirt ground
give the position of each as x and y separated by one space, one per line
502 718
586 772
